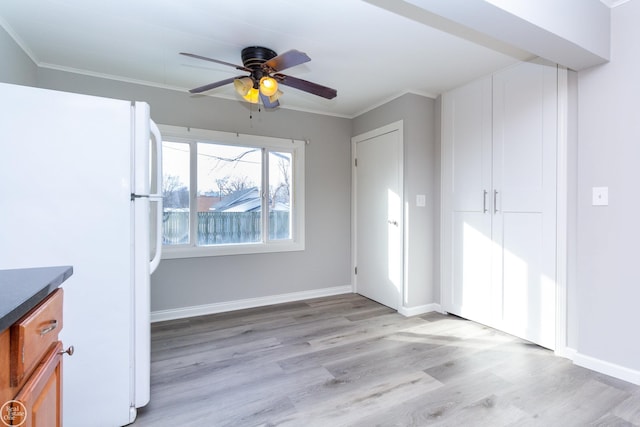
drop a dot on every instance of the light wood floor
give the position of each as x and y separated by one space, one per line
348 361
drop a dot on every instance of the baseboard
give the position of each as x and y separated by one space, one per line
607 368
566 352
221 307
421 309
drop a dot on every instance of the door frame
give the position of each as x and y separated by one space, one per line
397 126
562 212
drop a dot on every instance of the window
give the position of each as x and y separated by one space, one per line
230 194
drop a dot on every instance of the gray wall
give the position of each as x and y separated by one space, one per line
421 177
16 67
608 238
325 263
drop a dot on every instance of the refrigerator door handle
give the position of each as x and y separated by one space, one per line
157 197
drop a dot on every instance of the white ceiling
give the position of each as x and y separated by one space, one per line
368 54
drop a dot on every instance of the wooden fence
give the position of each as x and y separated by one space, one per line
216 228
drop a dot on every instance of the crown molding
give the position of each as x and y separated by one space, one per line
613 3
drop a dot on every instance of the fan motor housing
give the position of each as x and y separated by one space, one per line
254 56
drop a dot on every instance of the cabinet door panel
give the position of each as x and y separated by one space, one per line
524 176
467 151
524 136
528 279
45 408
471 293
42 394
466 199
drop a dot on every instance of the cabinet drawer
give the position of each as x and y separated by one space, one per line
33 335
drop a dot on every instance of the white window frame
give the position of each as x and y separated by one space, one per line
295 147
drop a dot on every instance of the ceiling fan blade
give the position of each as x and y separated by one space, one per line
237 67
214 85
267 103
304 85
286 60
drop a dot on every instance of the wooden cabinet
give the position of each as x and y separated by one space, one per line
42 394
32 355
499 139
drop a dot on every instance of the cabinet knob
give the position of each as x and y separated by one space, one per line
69 351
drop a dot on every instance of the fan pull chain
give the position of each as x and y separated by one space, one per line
251 110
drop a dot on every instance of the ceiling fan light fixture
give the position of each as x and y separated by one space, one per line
260 86
253 96
268 86
273 98
243 85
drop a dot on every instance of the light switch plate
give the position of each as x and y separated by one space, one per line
421 200
600 196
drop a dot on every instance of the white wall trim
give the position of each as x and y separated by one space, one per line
566 352
117 78
420 309
607 368
18 40
372 107
221 307
613 3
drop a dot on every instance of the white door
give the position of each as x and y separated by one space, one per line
524 220
466 207
379 226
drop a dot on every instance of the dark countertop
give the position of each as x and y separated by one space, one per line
22 289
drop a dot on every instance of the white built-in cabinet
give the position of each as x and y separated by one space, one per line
498 243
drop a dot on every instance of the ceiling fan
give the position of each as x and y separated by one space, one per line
264 66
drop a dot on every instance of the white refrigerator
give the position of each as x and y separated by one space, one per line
81 178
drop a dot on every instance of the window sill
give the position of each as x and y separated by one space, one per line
177 252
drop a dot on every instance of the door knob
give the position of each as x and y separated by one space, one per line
69 351
393 222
